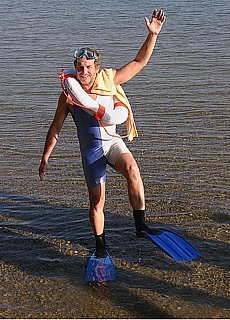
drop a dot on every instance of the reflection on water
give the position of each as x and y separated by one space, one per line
181 107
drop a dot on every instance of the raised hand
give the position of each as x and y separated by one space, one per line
156 22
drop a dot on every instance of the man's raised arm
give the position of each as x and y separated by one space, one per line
128 71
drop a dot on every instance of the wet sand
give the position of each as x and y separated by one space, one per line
27 296
148 284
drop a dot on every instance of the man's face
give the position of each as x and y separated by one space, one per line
86 71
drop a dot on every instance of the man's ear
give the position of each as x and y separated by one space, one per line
97 68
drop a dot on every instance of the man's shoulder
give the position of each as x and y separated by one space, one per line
109 72
104 83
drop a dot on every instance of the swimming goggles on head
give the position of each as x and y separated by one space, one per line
90 54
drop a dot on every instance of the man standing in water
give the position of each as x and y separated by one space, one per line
97 149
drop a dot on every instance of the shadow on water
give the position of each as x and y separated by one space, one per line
55 242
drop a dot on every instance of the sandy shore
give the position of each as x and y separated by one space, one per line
148 284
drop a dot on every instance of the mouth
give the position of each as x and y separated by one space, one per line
86 80
84 77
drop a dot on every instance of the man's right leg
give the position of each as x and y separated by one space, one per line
96 215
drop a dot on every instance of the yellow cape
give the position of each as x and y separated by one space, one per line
105 86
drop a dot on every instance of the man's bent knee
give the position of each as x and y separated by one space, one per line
127 166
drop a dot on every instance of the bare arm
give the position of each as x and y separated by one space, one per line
53 132
128 71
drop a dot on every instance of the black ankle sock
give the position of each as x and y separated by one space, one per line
139 218
100 245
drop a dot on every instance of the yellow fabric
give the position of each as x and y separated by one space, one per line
105 86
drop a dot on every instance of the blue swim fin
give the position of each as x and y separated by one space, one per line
172 244
100 269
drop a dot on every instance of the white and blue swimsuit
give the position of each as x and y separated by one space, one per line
98 148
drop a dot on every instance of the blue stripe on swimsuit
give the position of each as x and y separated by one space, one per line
90 138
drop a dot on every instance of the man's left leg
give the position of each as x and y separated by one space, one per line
127 166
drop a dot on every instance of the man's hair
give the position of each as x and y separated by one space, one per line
97 61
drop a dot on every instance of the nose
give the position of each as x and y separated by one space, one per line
84 70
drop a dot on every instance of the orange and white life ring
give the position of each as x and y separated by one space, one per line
79 97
